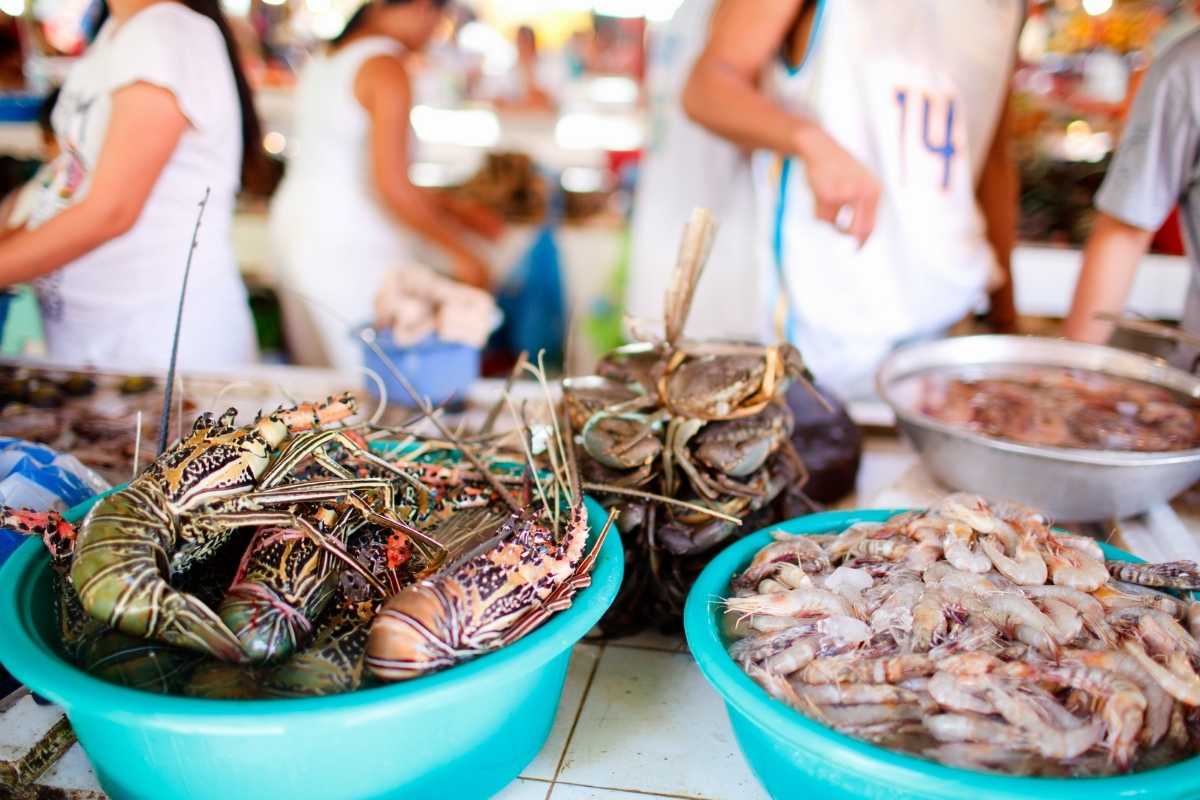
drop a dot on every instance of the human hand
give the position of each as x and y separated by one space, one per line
838 181
471 269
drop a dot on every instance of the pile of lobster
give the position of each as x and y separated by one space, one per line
304 555
687 440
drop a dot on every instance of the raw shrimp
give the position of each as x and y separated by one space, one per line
1122 704
797 602
842 694
796 550
1158 702
1071 566
1050 741
968 508
929 622
960 548
887 669
1127 595
975 728
959 693
760 646
1026 567
1089 608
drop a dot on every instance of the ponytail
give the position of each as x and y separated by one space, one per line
253 160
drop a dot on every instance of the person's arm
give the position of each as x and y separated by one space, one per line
1151 170
145 126
997 196
723 95
382 87
1110 261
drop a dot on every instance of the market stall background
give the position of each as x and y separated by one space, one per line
1080 65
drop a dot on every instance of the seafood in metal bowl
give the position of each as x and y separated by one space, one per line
1070 483
1057 407
975 635
302 554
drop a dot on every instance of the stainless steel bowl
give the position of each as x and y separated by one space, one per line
1069 484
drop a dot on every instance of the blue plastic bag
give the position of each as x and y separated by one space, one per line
533 304
35 476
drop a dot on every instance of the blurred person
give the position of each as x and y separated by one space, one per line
528 87
1156 168
886 191
155 114
342 217
684 166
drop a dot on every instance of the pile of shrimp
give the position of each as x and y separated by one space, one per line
974 635
1066 408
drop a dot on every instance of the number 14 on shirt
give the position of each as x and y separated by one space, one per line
934 118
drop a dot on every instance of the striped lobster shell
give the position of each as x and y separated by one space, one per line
485 603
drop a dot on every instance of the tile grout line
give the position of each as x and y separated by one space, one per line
647 647
587 689
644 792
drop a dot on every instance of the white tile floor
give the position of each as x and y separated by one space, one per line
636 720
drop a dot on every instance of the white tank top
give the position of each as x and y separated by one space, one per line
328 183
332 237
912 90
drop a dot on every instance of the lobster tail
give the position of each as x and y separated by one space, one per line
267 626
118 571
417 631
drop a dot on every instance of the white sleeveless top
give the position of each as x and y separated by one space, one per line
115 306
332 237
685 166
912 90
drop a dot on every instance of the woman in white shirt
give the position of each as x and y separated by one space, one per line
342 218
154 115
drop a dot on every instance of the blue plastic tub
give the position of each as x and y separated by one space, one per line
796 757
462 733
437 370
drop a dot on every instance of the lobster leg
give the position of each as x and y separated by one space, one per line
343 491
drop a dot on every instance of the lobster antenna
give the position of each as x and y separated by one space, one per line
187 269
137 444
693 253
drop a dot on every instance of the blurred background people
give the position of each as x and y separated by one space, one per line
346 211
890 198
528 86
152 117
1156 168
684 166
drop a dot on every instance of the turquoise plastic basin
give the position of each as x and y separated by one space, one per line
462 733
794 756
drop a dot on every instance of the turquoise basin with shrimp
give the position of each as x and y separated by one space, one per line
796 757
463 733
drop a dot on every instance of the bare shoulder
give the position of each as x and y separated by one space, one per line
381 76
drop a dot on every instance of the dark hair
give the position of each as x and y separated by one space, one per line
253 160
358 17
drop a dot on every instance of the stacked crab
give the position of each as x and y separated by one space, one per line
688 440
